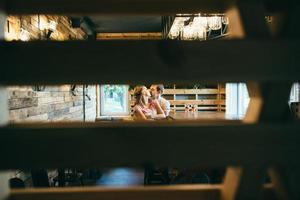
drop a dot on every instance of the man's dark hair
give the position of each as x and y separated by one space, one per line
160 88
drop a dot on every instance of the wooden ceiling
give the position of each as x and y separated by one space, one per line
127 24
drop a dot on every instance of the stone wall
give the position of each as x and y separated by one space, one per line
55 103
36 27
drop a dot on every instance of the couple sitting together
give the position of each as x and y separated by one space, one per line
150 104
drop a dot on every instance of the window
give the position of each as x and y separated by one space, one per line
114 100
294 96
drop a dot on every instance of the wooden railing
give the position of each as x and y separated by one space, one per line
267 140
212 99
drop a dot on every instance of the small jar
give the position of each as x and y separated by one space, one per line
194 108
186 108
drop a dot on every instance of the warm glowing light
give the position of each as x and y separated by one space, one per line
214 23
225 20
43 24
24 35
177 27
11 36
52 25
196 27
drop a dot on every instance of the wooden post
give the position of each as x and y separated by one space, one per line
174 97
219 97
268 102
246 182
285 182
242 183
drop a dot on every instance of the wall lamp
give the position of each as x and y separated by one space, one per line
46 28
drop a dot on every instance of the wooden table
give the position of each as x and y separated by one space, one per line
197 115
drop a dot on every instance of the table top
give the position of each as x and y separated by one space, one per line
198 115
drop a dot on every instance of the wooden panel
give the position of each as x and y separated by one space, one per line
197 102
190 91
129 36
242 183
126 61
199 108
264 97
114 6
197 143
285 182
125 7
255 26
190 192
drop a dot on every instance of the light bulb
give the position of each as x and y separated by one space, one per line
52 25
214 22
24 35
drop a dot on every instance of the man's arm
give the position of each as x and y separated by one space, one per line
166 107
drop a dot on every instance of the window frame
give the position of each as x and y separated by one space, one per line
101 97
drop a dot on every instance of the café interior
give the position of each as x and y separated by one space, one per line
111 102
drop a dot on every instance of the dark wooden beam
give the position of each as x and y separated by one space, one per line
285 182
126 7
135 144
114 6
268 102
130 36
252 16
190 192
148 61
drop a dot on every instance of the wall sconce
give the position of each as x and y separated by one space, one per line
73 90
51 29
39 88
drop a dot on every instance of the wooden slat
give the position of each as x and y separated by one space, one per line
242 183
114 6
129 36
125 7
199 108
268 102
190 91
251 182
198 102
254 25
285 182
190 192
211 144
231 183
126 61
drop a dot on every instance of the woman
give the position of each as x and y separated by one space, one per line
143 108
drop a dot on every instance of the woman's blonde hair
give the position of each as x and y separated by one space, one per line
138 92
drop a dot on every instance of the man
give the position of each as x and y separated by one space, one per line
156 92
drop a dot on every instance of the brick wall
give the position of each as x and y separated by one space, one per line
55 103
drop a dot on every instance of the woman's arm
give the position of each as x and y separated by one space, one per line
139 114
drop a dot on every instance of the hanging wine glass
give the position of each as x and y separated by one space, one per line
214 23
177 27
225 20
